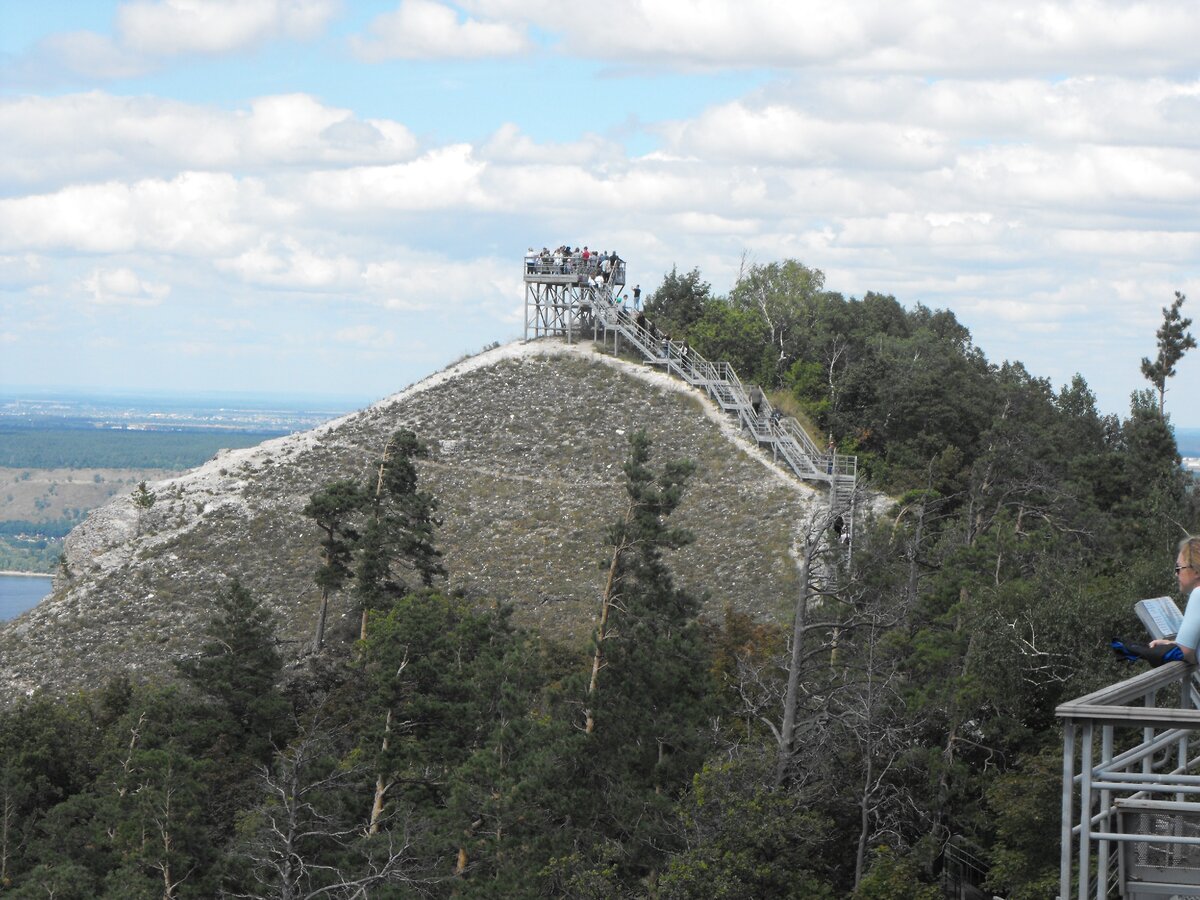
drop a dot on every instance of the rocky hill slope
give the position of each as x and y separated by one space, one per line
527 443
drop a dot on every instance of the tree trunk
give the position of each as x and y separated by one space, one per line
387 450
602 628
864 821
7 816
381 784
322 612
799 625
950 751
601 634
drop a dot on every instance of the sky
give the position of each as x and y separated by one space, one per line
333 198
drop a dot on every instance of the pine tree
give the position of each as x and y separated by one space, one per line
238 668
397 538
429 664
1174 340
333 508
143 499
636 571
647 698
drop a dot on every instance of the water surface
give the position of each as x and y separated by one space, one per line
21 592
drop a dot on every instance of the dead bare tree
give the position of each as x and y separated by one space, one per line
303 841
812 544
608 600
873 720
13 791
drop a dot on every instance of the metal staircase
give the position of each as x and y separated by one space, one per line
784 436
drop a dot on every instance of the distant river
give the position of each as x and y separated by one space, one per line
21 592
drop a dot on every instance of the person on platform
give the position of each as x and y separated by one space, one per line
1183 646
1187 571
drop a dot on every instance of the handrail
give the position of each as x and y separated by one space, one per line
1114 786
583 270
784 434
565 292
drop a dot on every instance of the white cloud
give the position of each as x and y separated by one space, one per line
1178 247
173 27
285 263
148 33
426 29
917 36
365 336
710 223
194 213
785 134
297 128
417 281
444 178
97 135
123 287
509 145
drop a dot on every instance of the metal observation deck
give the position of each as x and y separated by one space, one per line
1131 789
567 296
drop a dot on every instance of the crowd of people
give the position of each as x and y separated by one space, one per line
566 261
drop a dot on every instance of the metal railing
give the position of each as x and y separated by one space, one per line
1130 803
574 269
564 294
783 434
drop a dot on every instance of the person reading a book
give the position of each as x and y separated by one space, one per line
1187 570
1187 639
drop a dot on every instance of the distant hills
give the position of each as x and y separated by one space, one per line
64 453
167 412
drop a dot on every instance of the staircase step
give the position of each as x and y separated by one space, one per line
730 396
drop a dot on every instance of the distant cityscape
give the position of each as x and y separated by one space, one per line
1188 442
164 412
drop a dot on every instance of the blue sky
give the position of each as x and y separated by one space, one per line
311 196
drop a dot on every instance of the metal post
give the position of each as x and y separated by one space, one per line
1068 794
1085 810
1106 755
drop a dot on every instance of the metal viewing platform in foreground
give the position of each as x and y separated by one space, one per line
1130 797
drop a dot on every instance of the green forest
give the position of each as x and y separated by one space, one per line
437 750
29 545
117 448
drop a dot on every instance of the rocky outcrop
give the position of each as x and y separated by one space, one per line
527 444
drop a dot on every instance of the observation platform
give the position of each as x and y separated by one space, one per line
569 270
1131 789
562 290
566 296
